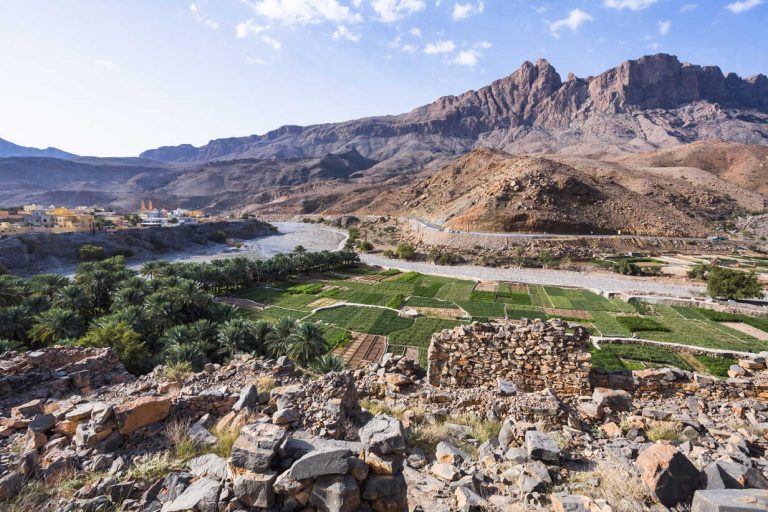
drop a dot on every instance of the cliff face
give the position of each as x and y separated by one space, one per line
43 251
651 102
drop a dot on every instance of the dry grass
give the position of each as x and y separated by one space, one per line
35 495
619 484
224 441
265 383
177 372
154 466
664 431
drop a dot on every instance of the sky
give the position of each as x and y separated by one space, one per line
117 77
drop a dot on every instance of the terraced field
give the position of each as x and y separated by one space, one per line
370 303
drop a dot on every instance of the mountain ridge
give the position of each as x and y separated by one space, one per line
644 104
8 149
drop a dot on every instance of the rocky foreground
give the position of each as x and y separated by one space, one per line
77 432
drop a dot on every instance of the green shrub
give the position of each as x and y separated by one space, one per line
89 252
733 284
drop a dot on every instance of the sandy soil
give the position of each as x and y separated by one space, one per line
747 329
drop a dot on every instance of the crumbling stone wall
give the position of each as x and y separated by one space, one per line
532 355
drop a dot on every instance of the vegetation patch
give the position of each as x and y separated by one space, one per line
641 324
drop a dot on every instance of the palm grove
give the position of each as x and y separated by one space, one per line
164 314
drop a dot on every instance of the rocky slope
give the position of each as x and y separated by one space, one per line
655 101
77 433
490 190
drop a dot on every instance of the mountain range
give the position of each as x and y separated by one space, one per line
629 120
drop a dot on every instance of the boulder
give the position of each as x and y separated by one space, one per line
383 464
285 416
256 446
507 433
506 388
335 493
141 412
730 500
447 472
10 485
201 496
209 465
249 397
668 473
327 461
28 409
255 489
615 399
42 423
732 475
449 454
383 434
541 447
535 477
468 500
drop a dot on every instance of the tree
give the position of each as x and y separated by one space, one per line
56 324
235 335
121 337
405 252
280 337
733 284
328 363
306 343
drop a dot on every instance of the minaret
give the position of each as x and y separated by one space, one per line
143 206
150 205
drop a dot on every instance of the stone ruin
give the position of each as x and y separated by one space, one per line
531 355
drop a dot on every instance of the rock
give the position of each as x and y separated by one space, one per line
141 412
85 435
506 388
591 410
383 464
256 446
564 502
255 489
732 475
507 433
210 465
541 447
28 409
730 500
249 397
617 400
358 469
42 423
611 429
377 487
535 477
449 454
468 500
447 472
668 473
201 496
11 484
516 455
383 434
335 493
285 416
327 461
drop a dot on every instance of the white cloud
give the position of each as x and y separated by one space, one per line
463 11
575 19
633 5
343 32
743 5
255 60
195 10
466 58
390 11
106 63
484 45
439 47
653 46
274 43
410 48
664 27
415 32
244 29
302 12
687 8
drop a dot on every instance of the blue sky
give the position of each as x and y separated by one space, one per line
112 78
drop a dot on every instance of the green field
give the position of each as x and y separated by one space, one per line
611 317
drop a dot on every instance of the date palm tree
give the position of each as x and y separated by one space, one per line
56 324
280 338
306 343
